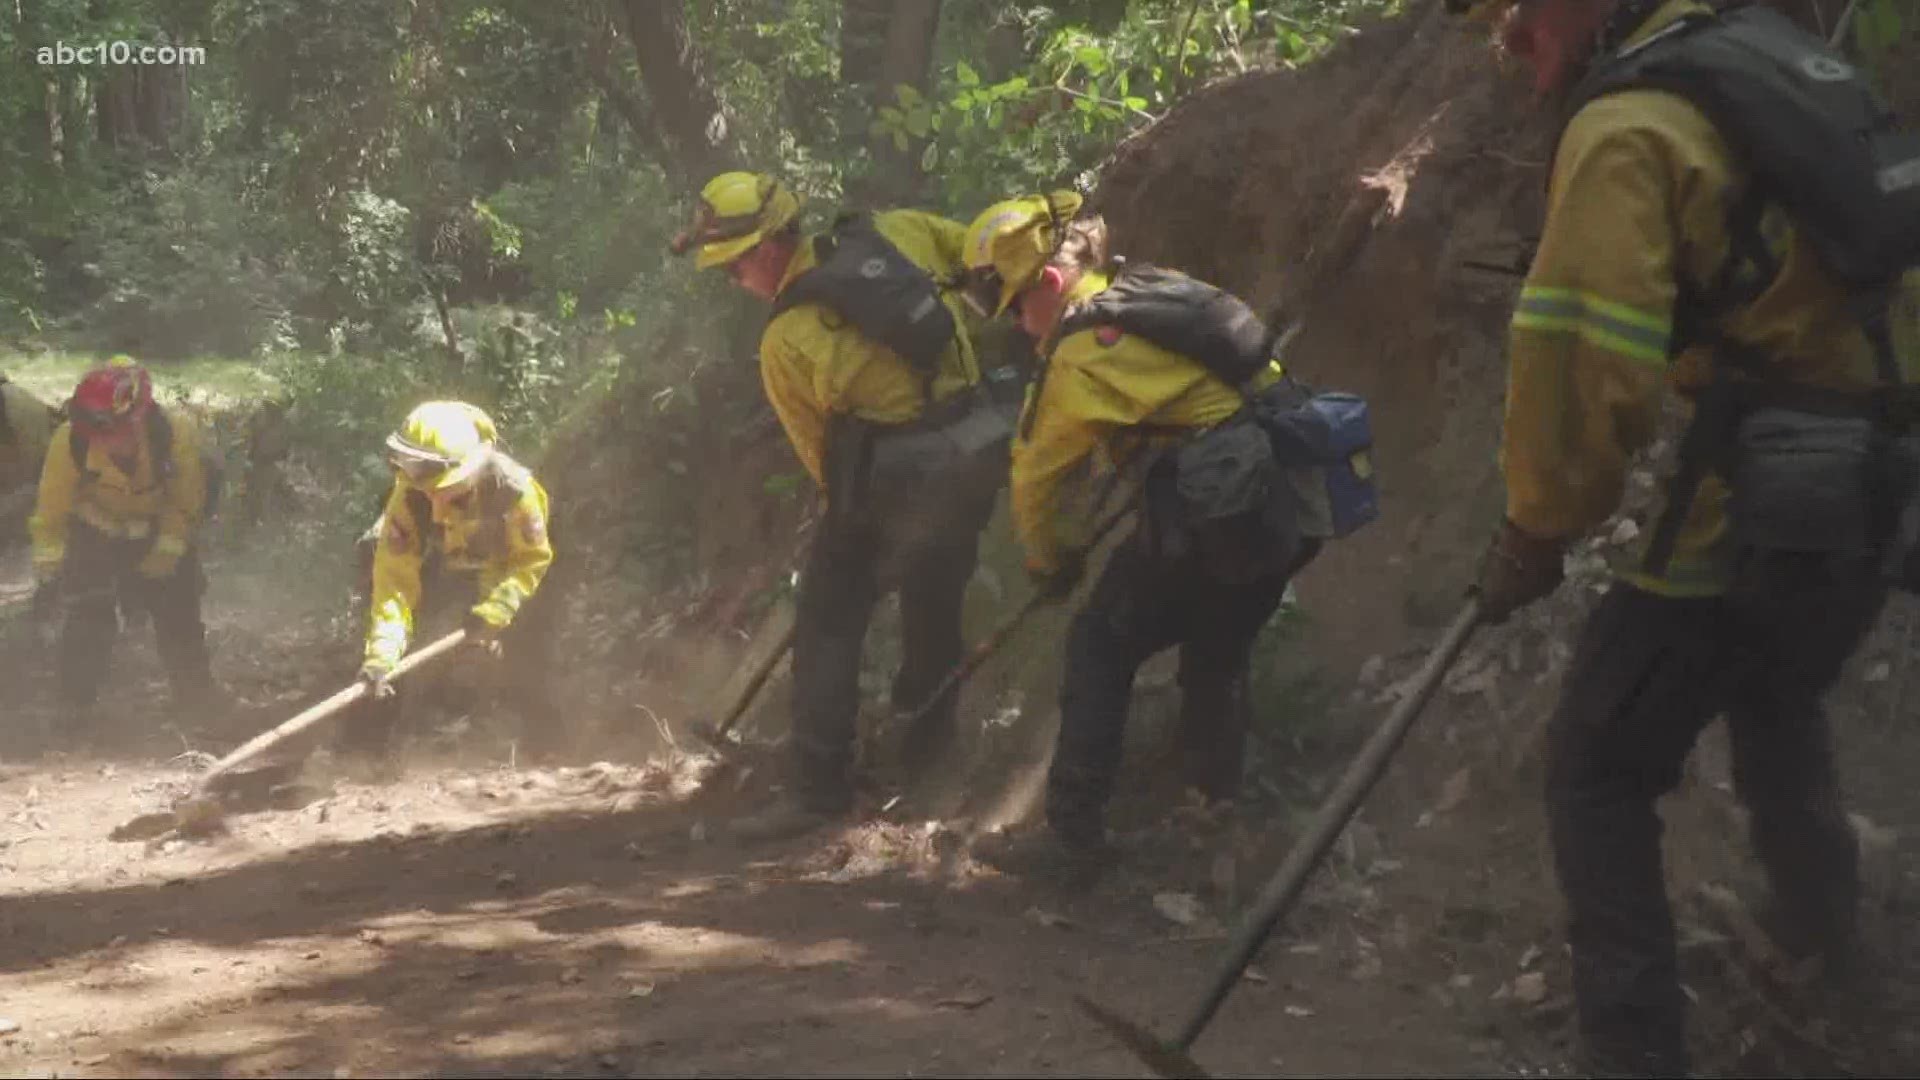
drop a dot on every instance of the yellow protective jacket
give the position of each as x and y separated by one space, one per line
814 365
26 434
164 501
498 533
1102 398
1636 199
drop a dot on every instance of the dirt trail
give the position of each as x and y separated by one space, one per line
472 918
563 922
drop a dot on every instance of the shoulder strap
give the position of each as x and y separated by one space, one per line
1184 315
803 291
874 286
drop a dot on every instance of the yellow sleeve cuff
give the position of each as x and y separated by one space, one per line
494 614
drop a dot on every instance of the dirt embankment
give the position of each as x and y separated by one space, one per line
1361 189
1357 189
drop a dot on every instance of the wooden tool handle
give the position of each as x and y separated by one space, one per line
329 708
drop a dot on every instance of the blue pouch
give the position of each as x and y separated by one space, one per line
1332 432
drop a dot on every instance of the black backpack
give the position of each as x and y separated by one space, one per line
1814 137
160 445
864 279
1182 315
1818 143
1303 427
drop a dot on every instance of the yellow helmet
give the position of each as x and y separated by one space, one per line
737 210
1009 243
442 445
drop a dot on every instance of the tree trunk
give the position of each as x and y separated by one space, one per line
863 39
117 108
56 126
163 105
445 310
684 103
909 55
645 132
140 108
906 61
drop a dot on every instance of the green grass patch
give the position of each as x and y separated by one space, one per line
1294 702
219 382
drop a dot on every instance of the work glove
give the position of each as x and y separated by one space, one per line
375 677
1057 584
1516 570
158 565
482 635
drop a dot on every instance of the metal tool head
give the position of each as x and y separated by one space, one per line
720 741
1164 1058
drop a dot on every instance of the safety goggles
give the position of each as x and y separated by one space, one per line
94 420
709 229
419 465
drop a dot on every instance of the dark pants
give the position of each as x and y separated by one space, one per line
1145 602
525 681
926 546
1649 673
99 579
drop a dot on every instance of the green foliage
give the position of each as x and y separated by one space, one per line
372 274
1095 74
1877 26
341 405
185 268
341 181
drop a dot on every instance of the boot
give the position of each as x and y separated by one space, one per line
1044 852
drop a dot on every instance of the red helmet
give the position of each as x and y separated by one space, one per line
109 397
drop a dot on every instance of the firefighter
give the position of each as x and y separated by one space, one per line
123 489
463 522
1207 563
868 364
1656 272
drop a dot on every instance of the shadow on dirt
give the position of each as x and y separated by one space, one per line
612 943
